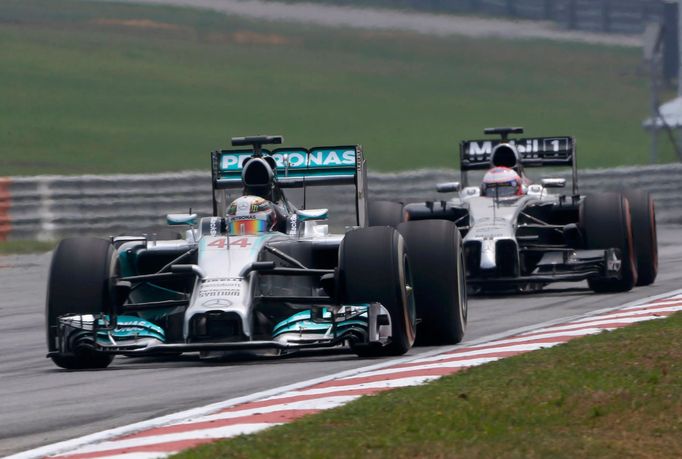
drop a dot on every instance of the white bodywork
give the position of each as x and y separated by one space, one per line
494 219
222 258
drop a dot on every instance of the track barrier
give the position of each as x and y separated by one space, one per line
5 203
52 207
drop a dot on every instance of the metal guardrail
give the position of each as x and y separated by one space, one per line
610 16
51 207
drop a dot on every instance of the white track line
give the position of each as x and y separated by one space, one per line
426 366
322 403
488 351
602 322
599 321
145 455
388 384
199 434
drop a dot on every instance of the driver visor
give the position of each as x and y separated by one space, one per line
501 190
249 226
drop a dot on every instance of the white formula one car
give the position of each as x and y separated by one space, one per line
519 235
259 274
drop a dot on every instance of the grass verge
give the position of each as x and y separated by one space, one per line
24 247
97 87
609 395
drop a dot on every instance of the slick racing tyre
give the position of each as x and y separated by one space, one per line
644 236
80 283
384 213
374 267
606 222
436 257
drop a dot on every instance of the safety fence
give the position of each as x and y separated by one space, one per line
51 207
611 16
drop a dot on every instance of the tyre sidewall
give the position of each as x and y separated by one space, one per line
606 222
645 239
372 268
80 282
436 258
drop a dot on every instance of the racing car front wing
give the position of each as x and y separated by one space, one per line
134 336
564 266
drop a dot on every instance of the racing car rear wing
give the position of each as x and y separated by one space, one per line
531 152
297 167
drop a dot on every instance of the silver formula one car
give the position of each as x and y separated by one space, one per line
259 274
520 235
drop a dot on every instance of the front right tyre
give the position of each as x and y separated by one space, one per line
80 283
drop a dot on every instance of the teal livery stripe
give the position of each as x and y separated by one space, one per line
301 322
129 327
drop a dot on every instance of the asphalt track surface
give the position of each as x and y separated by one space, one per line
41 404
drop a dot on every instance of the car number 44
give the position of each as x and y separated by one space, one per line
221 243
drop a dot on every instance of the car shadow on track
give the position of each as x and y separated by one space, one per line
229 359
553 291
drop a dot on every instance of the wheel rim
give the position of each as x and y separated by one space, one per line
629 240
409 295
462 287
654 236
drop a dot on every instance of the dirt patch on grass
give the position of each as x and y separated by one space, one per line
246 37
239 37
139 24
385 35
249 37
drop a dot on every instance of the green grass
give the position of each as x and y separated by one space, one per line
96 87
23 247
610 395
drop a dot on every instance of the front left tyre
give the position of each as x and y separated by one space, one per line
440 291
374 267
644 236
80 283
606 223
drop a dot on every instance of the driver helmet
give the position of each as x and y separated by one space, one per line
251 215
501 182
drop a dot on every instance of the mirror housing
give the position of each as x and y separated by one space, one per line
553 182
181 219
312 214
448 187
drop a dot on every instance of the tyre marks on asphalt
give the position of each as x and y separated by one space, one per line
253 416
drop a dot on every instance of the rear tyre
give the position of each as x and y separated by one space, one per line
384 213
373 267
606 222
440 291
80 282
644 236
